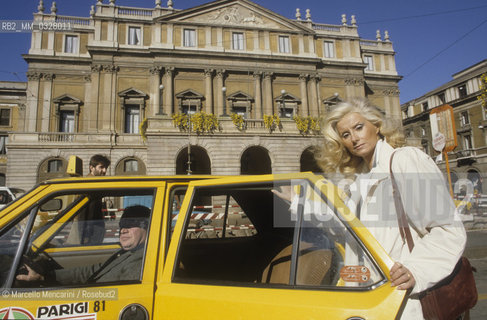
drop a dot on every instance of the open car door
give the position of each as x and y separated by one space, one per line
240 251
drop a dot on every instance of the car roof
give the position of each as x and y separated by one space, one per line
174 178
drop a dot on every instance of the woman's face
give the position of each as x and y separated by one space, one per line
358 135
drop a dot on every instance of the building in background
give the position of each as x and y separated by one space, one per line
469 159
12 118
123 81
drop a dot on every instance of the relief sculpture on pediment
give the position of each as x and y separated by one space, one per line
235 15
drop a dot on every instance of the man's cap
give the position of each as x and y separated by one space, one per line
135 216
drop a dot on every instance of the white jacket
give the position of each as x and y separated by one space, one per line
438 233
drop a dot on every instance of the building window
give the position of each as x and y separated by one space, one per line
240 110
467 142
71 44
130 166
464 119
134 36
425 106
462 90
410 111
189 38
423 132
5 117
66 121
284 44
54 166
441 96
329 47
132 118
369 61
238 41
3 144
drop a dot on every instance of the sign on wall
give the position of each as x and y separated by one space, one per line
442 122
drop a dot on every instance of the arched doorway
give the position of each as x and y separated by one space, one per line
255 160
200 162
308 162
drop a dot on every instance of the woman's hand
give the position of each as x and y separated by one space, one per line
401 277
285 193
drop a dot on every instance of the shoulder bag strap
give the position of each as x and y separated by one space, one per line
401 214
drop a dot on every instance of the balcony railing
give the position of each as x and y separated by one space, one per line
61 138
75 21
134 12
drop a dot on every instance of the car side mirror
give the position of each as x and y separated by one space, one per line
52 205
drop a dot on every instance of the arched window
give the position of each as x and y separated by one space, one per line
52 168
130 166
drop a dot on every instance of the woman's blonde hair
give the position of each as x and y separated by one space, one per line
332 156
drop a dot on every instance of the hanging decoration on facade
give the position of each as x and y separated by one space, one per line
201 122
272 122
239 121
308 125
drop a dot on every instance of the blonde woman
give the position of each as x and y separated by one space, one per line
359 142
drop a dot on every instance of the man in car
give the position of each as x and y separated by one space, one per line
123 265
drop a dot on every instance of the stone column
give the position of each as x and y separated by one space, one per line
220 83
32 101
318 94
314 105
209 91
303 78
111 85
257 112
94 115
46 104
155 80
168 102
88 107
268 96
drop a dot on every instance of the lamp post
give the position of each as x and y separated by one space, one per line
161 101
224 91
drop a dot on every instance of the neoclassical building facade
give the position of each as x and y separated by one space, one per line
227 87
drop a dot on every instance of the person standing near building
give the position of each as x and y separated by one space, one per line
360 142
98 165
94 231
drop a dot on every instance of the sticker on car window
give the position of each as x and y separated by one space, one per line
355 274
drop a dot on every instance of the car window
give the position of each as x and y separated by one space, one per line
218 216
76 235
5 197
10 239
248 235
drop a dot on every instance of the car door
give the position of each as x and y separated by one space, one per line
241 251
71 229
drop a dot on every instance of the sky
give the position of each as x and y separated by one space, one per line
433 39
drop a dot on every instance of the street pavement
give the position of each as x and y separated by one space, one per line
476 251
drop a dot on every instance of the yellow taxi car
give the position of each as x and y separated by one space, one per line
216 248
